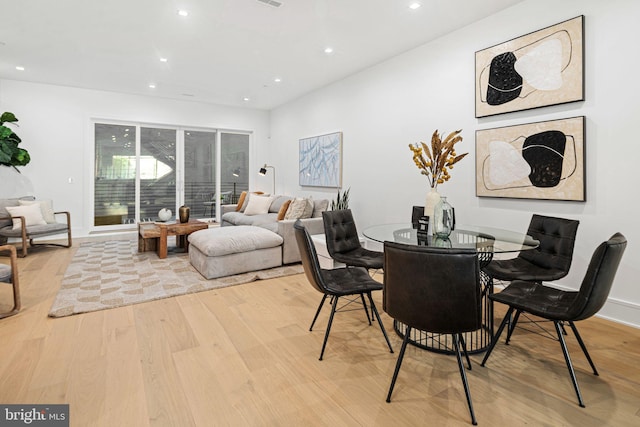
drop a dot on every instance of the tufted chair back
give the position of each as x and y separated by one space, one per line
340 231
557 238
598 280
432 289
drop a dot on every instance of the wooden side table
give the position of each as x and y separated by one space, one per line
152 236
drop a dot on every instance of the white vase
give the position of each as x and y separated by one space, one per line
14 183
165 214
433 197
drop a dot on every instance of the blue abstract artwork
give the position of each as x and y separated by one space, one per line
321 161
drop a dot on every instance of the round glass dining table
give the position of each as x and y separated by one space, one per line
487 241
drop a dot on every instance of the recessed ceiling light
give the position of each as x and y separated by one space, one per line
277 80
163 59
414 6
328 50
246 99
19 68
183 12
152 85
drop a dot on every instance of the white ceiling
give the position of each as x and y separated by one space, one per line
224 51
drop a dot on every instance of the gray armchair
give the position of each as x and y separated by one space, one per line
26 233
9 274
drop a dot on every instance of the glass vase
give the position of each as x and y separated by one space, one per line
442 218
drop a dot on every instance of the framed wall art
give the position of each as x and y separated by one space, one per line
543 160
321 161
542 68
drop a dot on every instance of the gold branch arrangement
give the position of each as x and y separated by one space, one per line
439 159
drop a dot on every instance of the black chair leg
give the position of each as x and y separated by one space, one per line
326 334
567 359
324 297
583 347
464 349
399 362
364 304
497 335
467 392
374 310
512 326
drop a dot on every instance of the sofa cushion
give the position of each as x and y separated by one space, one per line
35 230
221 241
299 209
239 218
283 210
258 205
278 202
319 206
32 215
46 206
243 196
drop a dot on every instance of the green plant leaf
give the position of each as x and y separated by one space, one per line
10 154
8 117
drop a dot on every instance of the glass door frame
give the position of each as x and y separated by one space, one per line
180 168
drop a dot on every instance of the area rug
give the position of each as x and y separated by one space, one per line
112 274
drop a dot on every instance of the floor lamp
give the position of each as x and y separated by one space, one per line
263 172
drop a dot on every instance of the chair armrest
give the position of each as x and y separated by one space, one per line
13 253
228 208
67 214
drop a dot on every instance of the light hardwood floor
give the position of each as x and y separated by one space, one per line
243 356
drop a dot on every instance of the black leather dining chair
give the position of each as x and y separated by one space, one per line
343 242
551 260
561 306
336 283
435 290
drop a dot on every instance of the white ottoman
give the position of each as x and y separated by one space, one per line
224 251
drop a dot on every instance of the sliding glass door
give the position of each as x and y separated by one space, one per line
206 185
115 174
141 169
157 171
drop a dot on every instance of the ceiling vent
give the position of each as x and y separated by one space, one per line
271 3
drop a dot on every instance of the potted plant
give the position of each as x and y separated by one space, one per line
341 202
10 153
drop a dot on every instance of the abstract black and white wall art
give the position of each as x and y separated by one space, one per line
321 161
543 160
542 68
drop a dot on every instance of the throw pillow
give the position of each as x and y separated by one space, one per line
299 209
46 206
258 205
31 213
283 210
278 201
243 196
308 209
319 206
244 204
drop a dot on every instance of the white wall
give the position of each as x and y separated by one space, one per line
403 100
55 127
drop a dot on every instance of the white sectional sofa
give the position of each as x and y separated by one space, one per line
234 216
